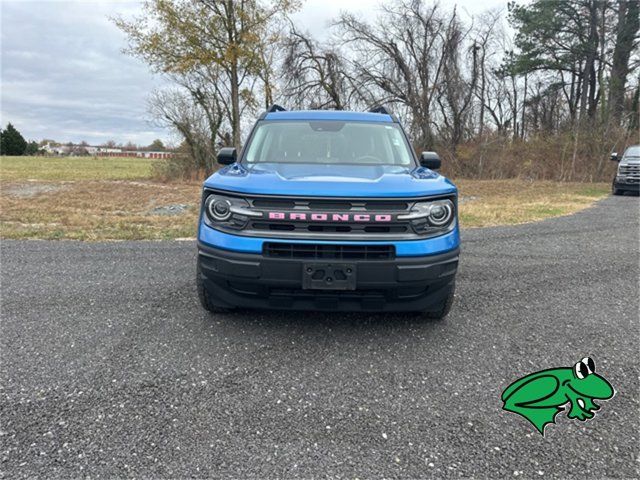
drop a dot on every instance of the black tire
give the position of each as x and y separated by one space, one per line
616 191
443 308
205 297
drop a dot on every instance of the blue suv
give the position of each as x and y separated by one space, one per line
328 210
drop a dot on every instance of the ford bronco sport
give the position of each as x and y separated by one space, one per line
328 210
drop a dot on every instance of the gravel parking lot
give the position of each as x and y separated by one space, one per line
110 368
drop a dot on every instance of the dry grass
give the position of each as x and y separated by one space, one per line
100 210
509 202
39 202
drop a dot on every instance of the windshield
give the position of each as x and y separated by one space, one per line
632 152
328 142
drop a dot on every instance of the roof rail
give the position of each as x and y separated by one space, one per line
276 108
380 109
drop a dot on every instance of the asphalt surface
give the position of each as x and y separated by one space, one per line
110 368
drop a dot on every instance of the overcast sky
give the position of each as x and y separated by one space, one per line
64 76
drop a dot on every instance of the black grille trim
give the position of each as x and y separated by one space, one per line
329 252
357 228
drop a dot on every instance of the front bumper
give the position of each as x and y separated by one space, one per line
407 248
623 183
236 279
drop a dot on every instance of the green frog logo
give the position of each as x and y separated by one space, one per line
540 396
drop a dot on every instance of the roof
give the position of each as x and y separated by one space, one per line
339 115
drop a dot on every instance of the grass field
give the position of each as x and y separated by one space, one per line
74 168
116 199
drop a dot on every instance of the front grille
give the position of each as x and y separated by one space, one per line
329 252
332 229
337 219
630 170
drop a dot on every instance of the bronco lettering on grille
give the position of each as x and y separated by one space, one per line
330 217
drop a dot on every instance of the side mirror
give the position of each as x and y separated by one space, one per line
614 157
430 160
227 156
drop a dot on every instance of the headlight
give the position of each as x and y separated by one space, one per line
430 216
219 209
440 213
227 212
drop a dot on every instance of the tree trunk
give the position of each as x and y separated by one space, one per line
628 24
524 107
235 106
483 83
514 107
232 35
589 71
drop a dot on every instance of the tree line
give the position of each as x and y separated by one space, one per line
547 101
12 143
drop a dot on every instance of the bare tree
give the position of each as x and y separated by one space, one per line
400 59
486 45
456 92
451 80
317 75
206 89
175 109
182 36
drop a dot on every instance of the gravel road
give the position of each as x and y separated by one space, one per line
110 368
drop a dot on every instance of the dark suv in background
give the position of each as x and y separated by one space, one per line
627 177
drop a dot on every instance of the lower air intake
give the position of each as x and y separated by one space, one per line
329 252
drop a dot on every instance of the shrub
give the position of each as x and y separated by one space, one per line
580 155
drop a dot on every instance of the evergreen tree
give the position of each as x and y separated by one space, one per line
156 146
12 142
32 148
561 37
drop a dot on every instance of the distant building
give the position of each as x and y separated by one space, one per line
98 151
136 154
51 149
91 150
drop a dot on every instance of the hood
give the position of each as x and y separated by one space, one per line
630 161
330 180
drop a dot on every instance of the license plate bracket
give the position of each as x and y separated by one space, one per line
329 276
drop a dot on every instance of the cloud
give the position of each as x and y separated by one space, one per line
64 75
316 16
